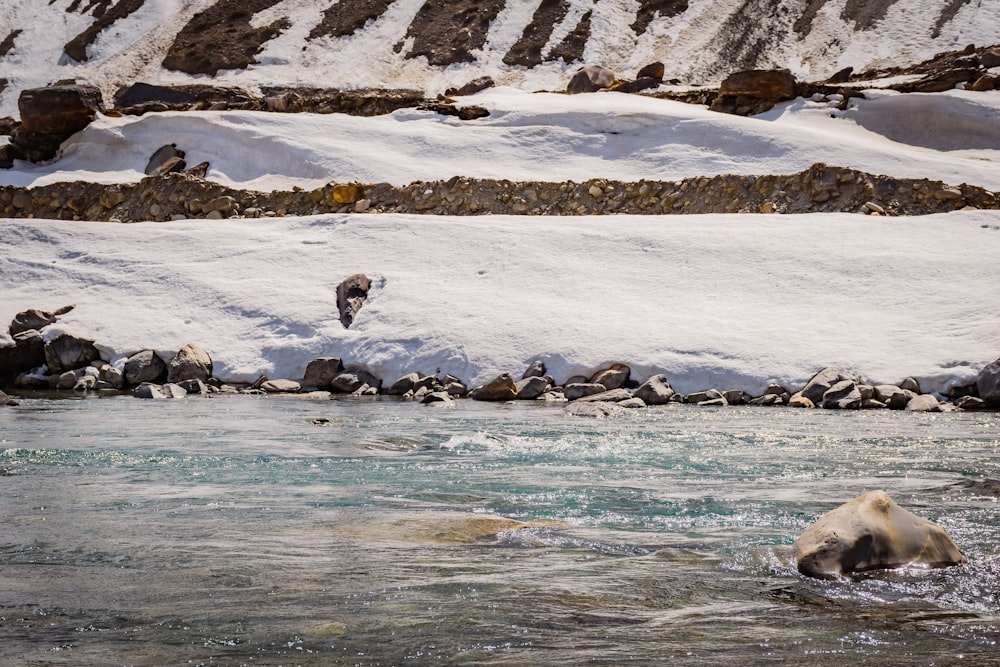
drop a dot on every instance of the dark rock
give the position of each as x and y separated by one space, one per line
145 367
348 17
923 403
535 369
501 388
281 387
49 116
167 159
351 296
32 319
970 403
988 384
652 71
449 32
843 395
984 82
655 391
320 373
471 88
6 400
910 384
200 170
579 390
702 396
637 86
190 363
531 388
841 76
67 352
990 58
609 396
892 396
354 379
194 387
737 397
27 353
754 91
939 81
573 45
590 79
403 385
614 377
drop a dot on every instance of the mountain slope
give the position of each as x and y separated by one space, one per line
434 44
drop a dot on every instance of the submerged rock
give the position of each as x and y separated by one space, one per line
871 532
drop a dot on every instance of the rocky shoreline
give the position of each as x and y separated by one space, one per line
69 363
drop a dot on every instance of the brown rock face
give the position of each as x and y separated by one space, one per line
190 363
871 532
447 33
58 110
754 91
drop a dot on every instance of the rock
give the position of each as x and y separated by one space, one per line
85 383
797 400
67 352
281 387
34 319
591 409
190 363
984 82
632 403
531 388
437 397
871 532
51 115
844 395
970 403
637 86
754 91
990 58
702 396
67 380
501 388
655 391
823 380
352 380
910 384
841 76
579 390
536 369
351 295
155 391
589 79
653 71
892 396
455 387
737 397
609 396
6 400
346 193
923 403
713 402
988 384
27 353
471 88
320 373
194 387
163 161
614 377
145 367
403 384
114 378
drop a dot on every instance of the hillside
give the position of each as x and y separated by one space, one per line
435 44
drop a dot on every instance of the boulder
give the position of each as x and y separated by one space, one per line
51 115
970 403
532 387
68 379
320 373
165 160
281 387
351 295
988 384
844 395
403 384
145 366
892 396
579 390
699 397
653 71
591 409
156 391
437 397
190 363
353 380
797 400
535 369
614 377
35 319
501 388
871 532
754 91
590 79
910 384
737 397
27 352
194 387
822 381
6 400
67 352
609 396
655 391
923 403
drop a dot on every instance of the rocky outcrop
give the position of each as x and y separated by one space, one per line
27 352
988 384
871 532
754 91
67 352
351 296
49 116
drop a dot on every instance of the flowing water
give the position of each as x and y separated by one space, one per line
241 530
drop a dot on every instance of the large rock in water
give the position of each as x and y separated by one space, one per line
190 363
145 366
27 352
871 532
655 391
67 353
501 388
988 384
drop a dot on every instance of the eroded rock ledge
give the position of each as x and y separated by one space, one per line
821 188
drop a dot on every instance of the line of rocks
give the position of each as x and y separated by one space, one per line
820 188
67 362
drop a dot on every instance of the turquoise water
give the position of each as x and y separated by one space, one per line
236 530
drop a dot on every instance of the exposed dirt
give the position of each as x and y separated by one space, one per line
76 48
571 48
8 42
447 33
650 9
347 17
527 51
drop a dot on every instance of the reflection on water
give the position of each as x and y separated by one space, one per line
248 531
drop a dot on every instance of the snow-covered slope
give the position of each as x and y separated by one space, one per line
412 43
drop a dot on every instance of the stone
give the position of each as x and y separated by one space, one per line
590 79
351 296
990 58
346 193
797 400
501 388
165 160
702 396
822 381
113 377
34 319
988 384
145 367
159 392
595 410
871 532
194 387
6 400
985 82
352 380
614 377
632 403
609 396
320 373
403 384
190 363
652 70
970 403
437 397
67 380
737 397
655 391
910 384
578 390
27 353
892 396
67 352
49 116
714 402
923 403
843 395
754 91
281 387
85 383
535 369
532 387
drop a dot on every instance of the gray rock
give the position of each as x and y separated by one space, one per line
194 387
797 400
820 383
281 387
702 396
456 388
554 396
501 388
145 366
165 160
737 397
892 396
843 395
923 403
156 391
988 384
579 390
190 363
436 397
67 352
34 319
403 384
655 391
532 387
27 353
577 379
614 377
320 373
632 403
970 403
352 380
591 409
589 79
714 402
872 404
85 383
536 369
609 396
351 295
113 377
910 384
67 379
